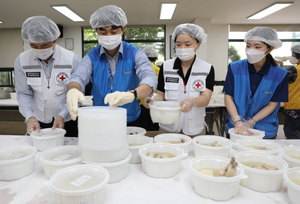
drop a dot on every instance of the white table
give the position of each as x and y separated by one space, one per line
136 188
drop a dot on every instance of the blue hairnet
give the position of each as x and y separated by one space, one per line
265 34
150 52
39 29
193 30
108 16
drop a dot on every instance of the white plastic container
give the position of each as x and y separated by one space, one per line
48 138
80 184
16 161
245 145
134 149
286 154
216 188
203 150
262 180
161 168
60 157
13 95
166 112
293 190
257 134
135 131
117 170
172 137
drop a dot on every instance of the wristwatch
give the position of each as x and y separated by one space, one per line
134 93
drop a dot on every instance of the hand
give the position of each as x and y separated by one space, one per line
241 129
33 125
147 101
187 105
250 123
73 97
59 122
119 98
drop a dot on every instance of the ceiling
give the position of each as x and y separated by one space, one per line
146 12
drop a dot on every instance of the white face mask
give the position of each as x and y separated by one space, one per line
254 55
43 54
293 60
110 42
185 54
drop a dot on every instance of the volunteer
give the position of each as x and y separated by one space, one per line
186 79
120 72
40 77
291 126
254 87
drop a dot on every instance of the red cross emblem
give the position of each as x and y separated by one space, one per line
198 85
62 77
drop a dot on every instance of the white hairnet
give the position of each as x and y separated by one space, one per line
108 16
193 30
150 52
265 34
39 29
296 48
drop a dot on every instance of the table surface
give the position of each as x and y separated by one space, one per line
136 188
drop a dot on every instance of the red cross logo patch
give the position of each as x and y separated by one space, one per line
198 85
62 78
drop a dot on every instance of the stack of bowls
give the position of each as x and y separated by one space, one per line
102 134
16 161
103 139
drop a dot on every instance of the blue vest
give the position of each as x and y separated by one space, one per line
247 105
125 78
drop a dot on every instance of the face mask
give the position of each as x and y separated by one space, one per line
185 54
293 60
254 55
43 54
110 42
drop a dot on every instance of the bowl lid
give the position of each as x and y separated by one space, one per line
16 153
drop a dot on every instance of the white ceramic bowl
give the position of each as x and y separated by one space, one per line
289 176
246 144
204 150
257 135
134 149
161 168
173 137
166 112
48 138
262 180
117 170
80 184
135 131
16 161
216 188
60 157
286 154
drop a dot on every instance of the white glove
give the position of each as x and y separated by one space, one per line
147 101
241 129
187 105
73 97
119 98
59 122
33 125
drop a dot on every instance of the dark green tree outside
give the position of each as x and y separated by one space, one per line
233 54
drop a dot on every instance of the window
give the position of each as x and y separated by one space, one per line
6 77
141 36
237 46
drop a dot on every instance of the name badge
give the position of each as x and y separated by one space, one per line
33 74
172 80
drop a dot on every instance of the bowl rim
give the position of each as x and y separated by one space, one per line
282 152
212 136
157 138
180 156
286 178
278 146
153 106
